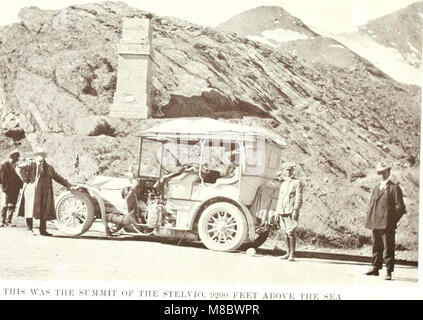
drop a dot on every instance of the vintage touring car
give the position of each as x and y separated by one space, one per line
213 182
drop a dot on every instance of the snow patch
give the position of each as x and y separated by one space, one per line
421 15
282 35
337 46
387 59
262 40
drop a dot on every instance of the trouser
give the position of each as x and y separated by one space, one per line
287 224
7 213
43 223
29 223
384 248
7 203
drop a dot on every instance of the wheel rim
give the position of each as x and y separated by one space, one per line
222 227
72 213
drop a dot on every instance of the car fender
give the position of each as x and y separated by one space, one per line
248 216
93 192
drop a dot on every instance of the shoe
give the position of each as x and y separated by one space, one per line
388 275
277 251
2 225
284 257
291 257
46 234
372 272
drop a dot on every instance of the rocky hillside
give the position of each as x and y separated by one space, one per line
57 82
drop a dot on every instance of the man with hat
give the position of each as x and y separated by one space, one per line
288 207
385 210
10 186
38 197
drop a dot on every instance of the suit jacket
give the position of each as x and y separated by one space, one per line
10 181
290 196
386 207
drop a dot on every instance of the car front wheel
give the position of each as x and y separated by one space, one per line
222 227
74 213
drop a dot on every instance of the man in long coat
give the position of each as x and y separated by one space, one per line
10 186
385 210
38 198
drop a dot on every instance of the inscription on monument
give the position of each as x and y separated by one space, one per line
132 97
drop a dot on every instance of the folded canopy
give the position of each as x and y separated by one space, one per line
206 128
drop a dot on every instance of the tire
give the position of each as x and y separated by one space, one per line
222 227
258 242
74 212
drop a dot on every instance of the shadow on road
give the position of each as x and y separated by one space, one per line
338 257
334 258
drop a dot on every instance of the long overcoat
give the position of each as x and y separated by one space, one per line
386 207
37 197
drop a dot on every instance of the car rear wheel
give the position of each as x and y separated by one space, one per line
74 212
222 227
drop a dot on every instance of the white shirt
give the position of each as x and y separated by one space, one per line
383 183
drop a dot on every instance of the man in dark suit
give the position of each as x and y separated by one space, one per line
385 210
10 186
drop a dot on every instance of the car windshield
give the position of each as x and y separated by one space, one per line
220 155
214 156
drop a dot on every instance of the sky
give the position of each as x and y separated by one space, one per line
326 15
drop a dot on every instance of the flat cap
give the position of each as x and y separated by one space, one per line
14 152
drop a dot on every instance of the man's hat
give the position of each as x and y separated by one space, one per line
14 152
40 152
382 166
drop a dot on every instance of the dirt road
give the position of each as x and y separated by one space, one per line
93 257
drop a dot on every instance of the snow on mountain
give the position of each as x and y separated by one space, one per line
393 43
269 25
277 28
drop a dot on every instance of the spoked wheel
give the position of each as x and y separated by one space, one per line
222 227
74 212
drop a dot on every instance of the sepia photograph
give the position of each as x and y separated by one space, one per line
223 150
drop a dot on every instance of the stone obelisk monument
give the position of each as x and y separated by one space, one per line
133 90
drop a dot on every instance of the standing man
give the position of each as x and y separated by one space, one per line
10 186
38 198
385 210
288 208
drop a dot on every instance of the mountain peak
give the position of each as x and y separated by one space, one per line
255 21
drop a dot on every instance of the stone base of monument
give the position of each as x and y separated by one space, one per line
130 105
129 111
